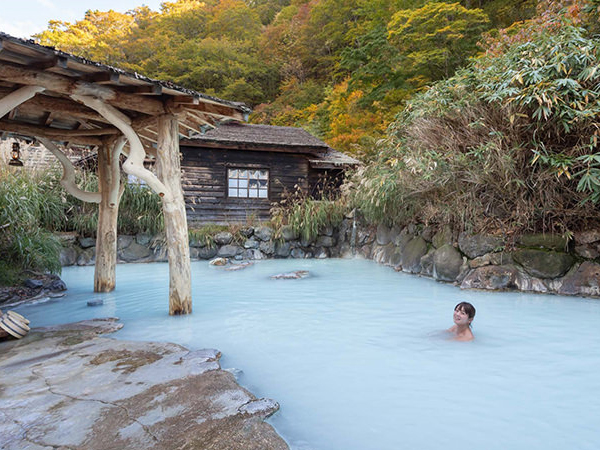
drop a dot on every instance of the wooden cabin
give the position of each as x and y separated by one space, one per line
234 172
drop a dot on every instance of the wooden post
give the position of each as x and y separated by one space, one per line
106 239
169 172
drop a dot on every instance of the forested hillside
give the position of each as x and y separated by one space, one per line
340 68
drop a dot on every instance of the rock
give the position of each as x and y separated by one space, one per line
251 243
207 252
478 244
196 243
288 233
96 302
412 254
584 281
87 257
395 258
382 254
282 249
442 237
33 284
68 256
263 408
307 241
219 262
491 278
325 241
427 233
240 266
67 237
497 259
267 247
87 242
134 252
263 233
229 251
327 231
544 264
587 237
364 237
223 238
447 263
295 275
253 253
246 231
586 251
297 253
545 241
346 251
143 239
384 235
56 285
194 253
427 263
402 239
321 253
133 395
124 241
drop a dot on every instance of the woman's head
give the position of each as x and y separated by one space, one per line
464 313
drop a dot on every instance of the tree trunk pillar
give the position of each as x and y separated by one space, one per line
106 238
169 172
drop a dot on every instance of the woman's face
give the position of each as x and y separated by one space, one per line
461 318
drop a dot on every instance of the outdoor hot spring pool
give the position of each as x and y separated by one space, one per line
356 357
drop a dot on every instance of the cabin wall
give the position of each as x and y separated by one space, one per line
204 180
325 182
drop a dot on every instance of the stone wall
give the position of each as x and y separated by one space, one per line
537 263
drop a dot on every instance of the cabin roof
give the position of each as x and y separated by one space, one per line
242 136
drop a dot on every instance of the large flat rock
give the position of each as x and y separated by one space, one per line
72 387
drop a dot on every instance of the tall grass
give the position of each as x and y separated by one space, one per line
29 205
308 216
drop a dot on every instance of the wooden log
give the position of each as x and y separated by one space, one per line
17 97
169 171
106 236
68 178
69 86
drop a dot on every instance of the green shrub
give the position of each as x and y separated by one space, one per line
508 144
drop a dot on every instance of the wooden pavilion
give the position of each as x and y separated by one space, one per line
63 100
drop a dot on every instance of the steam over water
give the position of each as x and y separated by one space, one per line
357 357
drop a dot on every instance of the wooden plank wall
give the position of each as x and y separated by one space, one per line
204 180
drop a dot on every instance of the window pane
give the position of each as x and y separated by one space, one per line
243 173
253 193
233 192
262 193
233 173
256 174
243 183
253 184
262 174
263 184
233 183
242 192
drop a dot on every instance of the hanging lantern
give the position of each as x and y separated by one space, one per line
15 156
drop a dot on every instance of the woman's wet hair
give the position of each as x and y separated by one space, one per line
467 308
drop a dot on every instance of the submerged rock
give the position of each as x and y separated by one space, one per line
219 262
96 302
240 266
297 274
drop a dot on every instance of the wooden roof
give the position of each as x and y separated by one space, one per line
55 115
242 136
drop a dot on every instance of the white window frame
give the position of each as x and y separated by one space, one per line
248 182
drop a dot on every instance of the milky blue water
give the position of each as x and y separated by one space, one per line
356 356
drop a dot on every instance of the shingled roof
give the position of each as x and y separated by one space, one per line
241 136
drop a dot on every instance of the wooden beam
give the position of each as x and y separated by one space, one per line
102 78
178 249
69 86
55 134
59 132
212 109
151 89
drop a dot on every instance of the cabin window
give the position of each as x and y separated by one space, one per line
248 183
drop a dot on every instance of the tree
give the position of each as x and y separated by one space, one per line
436 39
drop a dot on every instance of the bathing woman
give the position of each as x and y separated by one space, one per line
463 316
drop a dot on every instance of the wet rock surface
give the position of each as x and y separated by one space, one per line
71 387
